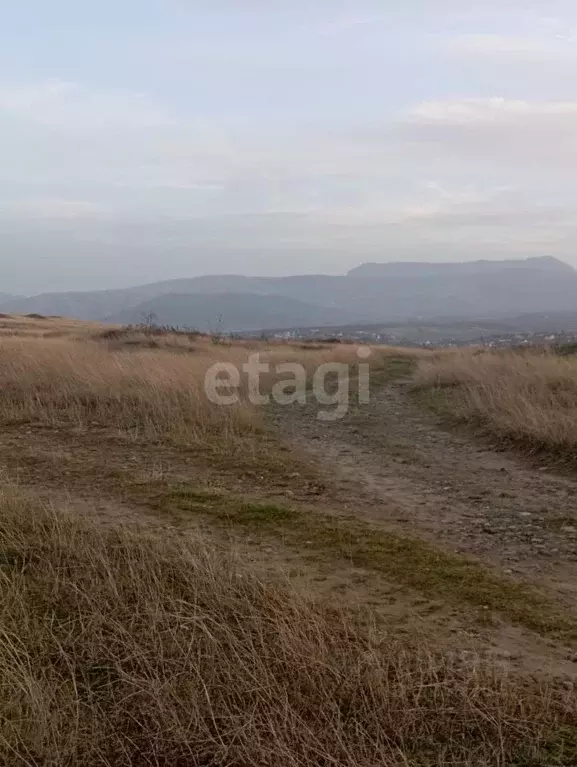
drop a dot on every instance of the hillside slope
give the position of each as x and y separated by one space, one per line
371 292
230 312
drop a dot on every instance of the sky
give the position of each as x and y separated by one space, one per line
143 140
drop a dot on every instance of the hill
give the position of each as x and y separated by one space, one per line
229 312
370 293
5 297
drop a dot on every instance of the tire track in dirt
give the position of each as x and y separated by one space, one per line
391 462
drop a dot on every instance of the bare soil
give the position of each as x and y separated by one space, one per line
393 462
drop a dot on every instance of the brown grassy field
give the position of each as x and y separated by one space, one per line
119 647
527 397
142 385
137 640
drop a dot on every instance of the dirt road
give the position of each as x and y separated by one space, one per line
388 464
391 461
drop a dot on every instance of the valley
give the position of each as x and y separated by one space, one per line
461 294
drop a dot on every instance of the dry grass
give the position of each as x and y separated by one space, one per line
122 647
403 559
527 397
118 648
150 394
38 326
141 385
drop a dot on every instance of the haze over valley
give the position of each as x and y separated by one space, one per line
372 292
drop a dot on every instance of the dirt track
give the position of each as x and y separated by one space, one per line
391 461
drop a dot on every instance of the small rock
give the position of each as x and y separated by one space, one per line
569 529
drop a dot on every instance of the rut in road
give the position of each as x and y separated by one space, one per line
392 462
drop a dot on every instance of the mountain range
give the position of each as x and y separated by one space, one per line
372 292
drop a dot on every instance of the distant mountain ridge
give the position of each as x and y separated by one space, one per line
371 292
540 263
232 311
5 297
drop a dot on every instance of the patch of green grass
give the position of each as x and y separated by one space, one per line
263 514
441 400
406 560
565 350
201 496
392 368
560 750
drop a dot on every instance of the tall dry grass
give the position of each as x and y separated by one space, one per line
38 326
143 386
529 397
151 394
120 648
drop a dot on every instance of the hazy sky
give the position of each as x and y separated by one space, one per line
150 139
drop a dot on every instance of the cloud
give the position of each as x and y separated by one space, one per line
527 50
71 106
491 111
505 132
440 181
347 22
27 98
182 166
53 208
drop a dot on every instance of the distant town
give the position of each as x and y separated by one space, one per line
449 334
